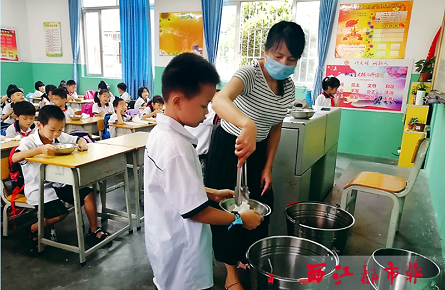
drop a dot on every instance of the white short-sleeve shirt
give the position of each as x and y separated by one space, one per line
37 94
6 109
322 101
113 120
68 112
126 97
31 170
179 249
15 130
203 132
98 109
139 103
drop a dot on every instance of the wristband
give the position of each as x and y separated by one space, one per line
237 221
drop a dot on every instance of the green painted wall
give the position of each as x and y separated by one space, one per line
435 168
19 73
157 84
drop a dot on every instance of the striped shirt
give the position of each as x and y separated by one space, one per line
258 102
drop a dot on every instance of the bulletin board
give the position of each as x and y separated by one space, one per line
376 85
180 32
53 38
373 30
9 45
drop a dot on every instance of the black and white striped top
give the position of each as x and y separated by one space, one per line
258 101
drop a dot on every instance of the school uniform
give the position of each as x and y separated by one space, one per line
68 112
112 97
113 120
73 95
126 97
97 108
15 130
179 249
37 94
53 192
140 102
325 100
6 109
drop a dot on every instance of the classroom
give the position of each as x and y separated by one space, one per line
128 127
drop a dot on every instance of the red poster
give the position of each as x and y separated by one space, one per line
9 45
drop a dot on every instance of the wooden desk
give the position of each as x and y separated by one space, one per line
130 127
81 169
7 147
135 141
86 124
78 104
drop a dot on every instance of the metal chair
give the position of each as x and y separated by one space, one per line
390 186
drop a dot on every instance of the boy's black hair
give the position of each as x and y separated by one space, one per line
10 87
50 112
24 108
62 84
100 92
13 91
48 89
70 83
38 84
117 101
178 77
102 85
332 82
61 92
122 86
141 90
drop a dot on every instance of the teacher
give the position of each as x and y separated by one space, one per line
252 106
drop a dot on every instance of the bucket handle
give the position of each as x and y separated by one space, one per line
367 270
292 203
436 287
334 253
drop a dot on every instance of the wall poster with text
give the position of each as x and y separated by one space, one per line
9 45
53 38
373 30
372 84
180 32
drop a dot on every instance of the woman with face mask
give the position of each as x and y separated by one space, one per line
252 106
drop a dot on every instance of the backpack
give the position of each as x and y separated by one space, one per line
82 134
17 180
105 132
87 109
89 95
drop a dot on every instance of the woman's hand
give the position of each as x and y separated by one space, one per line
246 142
266 180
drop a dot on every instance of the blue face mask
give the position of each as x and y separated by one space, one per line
277 70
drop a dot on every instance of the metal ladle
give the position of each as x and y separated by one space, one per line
241 189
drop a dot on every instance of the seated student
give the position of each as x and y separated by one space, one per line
104 86
25 114
15 95
62 84
46 97
119 117
50 125
59 99
141 102
71 90
40 88
122 89
326 98
5 100
154 106
102 104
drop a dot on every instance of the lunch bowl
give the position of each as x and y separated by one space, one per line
228 205
64 149
302 113
76 118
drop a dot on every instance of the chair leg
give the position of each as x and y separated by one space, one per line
5 219
344 199
393 222
401 204
103 196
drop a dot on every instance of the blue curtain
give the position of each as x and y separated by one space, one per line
325 22
211 18
75 13
136 52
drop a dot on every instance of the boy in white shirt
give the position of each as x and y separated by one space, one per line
122 89
119 117
59 99
15 95
178 240
40 88
25 114
50 126
71 90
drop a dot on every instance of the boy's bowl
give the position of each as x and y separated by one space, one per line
64 149
76 118
229 203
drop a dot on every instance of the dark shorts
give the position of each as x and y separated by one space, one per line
56 207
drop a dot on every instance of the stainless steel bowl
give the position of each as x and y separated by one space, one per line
75 118
64 149
229 204
302 113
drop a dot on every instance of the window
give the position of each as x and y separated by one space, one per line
250 21
102 38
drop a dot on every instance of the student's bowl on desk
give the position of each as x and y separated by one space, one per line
76 118
64 148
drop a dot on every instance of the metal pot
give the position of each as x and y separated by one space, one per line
403 260
280 262
323 223
229 203
302 113
64 148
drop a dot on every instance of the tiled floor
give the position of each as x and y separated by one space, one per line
124 264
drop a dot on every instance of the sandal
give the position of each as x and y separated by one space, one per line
97 231
228 287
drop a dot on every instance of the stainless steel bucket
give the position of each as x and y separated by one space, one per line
403 260
319 222
279 262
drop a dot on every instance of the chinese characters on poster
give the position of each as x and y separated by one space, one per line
9 45
53 38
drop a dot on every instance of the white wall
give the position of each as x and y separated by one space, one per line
171 6
27 16
426 18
